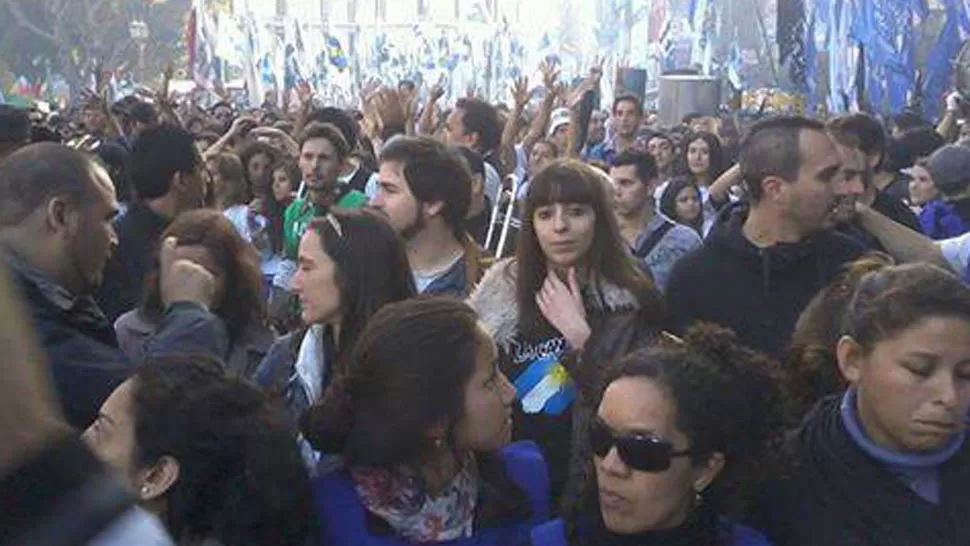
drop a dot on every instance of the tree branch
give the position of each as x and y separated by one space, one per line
23 21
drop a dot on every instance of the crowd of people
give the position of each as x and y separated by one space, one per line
474 324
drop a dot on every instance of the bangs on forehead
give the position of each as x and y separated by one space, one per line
560 185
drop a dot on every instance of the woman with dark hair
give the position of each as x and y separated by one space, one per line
423 423
285 176
570 300
812 366
232 195
208 239
682 434
257 157
205 455
887 462
704 158
682 202
350 265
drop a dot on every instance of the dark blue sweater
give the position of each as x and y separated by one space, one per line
343 518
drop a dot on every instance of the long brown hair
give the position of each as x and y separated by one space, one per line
242 304
570 181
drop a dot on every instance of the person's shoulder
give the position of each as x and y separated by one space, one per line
739 535
551 533
685 234
842 245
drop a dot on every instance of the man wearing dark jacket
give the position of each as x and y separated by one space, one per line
168 178
56 234
763 262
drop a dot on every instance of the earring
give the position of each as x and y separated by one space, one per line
439 443
698 498
145 490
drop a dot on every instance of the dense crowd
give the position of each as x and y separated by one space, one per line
473 324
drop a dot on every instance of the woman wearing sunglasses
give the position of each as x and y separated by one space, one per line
887 462
680 437
570 300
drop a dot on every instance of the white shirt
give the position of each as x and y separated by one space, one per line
956 251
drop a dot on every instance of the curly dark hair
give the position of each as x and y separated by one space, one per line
812 369
241 479
241 305
729 399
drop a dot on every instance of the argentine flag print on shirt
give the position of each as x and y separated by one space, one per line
544 386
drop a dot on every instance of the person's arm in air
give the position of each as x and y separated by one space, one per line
520 96
902 243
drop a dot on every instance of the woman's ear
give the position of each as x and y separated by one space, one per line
705 475
158 479
849 353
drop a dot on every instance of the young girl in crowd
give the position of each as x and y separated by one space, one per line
680 436
205 455
285 179
208 239
349 266
704 158
571 300
423 422
681 201
232 197
922 190
887 462
257 159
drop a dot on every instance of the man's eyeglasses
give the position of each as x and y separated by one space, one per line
640 452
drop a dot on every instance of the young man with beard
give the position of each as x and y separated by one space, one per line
627 115
425 194
763 263
656 242
849 133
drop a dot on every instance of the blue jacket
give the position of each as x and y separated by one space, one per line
343 518
942 220
82 349
554 534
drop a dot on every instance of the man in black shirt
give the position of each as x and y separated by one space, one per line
168 178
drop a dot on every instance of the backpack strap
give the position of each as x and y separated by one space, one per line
653 240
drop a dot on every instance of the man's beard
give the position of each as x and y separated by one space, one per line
416 226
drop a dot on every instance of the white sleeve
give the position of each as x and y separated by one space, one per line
956 251
372 187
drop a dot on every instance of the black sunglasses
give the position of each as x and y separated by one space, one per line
643 453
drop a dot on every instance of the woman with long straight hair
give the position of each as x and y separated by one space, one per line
570 300
422 421
350 264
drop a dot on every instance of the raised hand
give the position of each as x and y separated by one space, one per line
550 75
183 280
520 93
437 90
562 306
